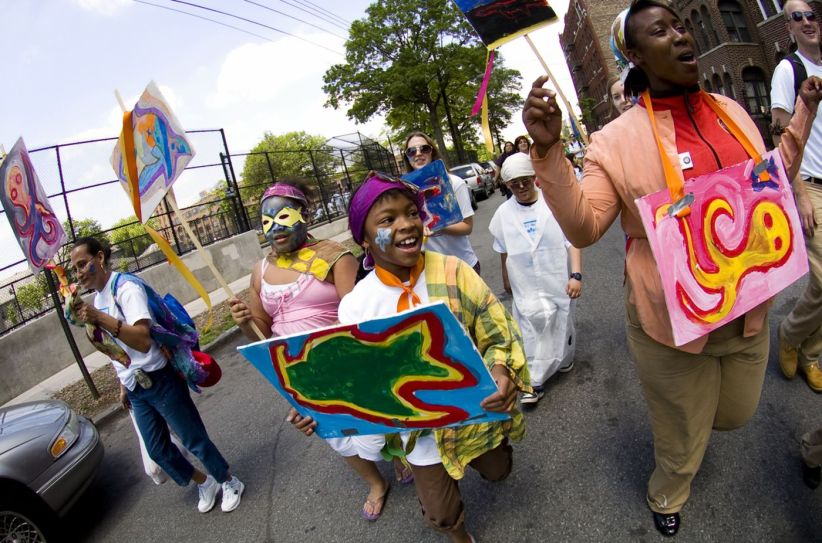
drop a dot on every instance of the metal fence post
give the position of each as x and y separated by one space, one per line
270 169
319 184
63 190
244 223
58 307
170 220
347 175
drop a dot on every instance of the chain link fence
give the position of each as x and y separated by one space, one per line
226 207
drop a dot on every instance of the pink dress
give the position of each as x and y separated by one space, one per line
305 304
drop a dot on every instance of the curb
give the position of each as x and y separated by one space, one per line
110 412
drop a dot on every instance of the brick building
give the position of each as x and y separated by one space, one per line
588 53
739 42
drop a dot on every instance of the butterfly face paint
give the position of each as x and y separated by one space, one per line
383 238
283 224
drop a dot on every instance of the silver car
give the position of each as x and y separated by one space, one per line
48 457
479 181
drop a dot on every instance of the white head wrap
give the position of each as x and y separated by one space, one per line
517 165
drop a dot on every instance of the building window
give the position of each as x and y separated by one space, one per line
728 85
701 36
690 28
734 19
756 91
769 8
711 31
716 83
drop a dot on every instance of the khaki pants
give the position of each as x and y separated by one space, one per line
688 395
803 327
812 448
439 494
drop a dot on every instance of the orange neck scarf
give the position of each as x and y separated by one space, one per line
392 280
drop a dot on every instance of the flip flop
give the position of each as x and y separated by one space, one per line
404 475
379 502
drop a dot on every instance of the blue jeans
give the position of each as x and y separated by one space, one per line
167 404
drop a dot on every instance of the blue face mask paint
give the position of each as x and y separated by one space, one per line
91 268
283 224
383 238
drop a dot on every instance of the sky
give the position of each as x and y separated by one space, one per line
63 60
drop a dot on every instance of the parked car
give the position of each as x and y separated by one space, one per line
48 457
481 183
490 168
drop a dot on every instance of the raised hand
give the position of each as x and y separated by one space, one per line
542 116
811 92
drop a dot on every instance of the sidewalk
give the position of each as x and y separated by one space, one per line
95 360
72 374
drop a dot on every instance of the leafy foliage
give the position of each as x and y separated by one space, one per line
82 228
32 296
130 236
288 154
419 63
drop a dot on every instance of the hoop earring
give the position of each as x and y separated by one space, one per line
368 261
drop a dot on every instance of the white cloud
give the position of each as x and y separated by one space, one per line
103 7
259 72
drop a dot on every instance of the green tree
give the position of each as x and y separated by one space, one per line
130 236
394 59
32 296
288 155
586 106
82 228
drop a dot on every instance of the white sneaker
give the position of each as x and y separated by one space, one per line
529 398
208 494
232 492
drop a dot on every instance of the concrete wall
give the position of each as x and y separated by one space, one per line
39 349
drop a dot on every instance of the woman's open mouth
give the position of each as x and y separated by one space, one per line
688 57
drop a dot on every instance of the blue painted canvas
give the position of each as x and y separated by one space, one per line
441 203
500 21
414 370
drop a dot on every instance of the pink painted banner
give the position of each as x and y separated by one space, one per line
740 245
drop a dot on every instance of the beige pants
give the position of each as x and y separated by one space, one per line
688 395
803 327
812 448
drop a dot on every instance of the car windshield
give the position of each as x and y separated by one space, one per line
464 171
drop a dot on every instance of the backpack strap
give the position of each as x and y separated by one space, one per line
800 74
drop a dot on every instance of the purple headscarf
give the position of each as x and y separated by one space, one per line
286 191
368 193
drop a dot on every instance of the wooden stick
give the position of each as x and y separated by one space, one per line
207 257
205 254
574 119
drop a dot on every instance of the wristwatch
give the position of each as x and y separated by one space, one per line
577 276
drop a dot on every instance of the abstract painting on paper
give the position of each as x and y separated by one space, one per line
36 227
414 370
161 152
740 245
500 21
441 206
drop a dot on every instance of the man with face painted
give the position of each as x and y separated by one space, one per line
296 288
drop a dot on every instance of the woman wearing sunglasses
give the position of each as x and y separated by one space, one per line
418 152
714 381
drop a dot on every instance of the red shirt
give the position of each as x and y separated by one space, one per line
700 133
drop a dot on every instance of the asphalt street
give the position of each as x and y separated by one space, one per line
579 475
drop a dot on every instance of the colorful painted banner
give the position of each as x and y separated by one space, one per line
500 21
36 227
414 370
441 204
740 245
161 152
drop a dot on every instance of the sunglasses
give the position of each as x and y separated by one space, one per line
520 183
411 152
797 16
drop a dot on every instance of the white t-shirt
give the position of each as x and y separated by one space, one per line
134 303
531 217
372 298
784 97
458 246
